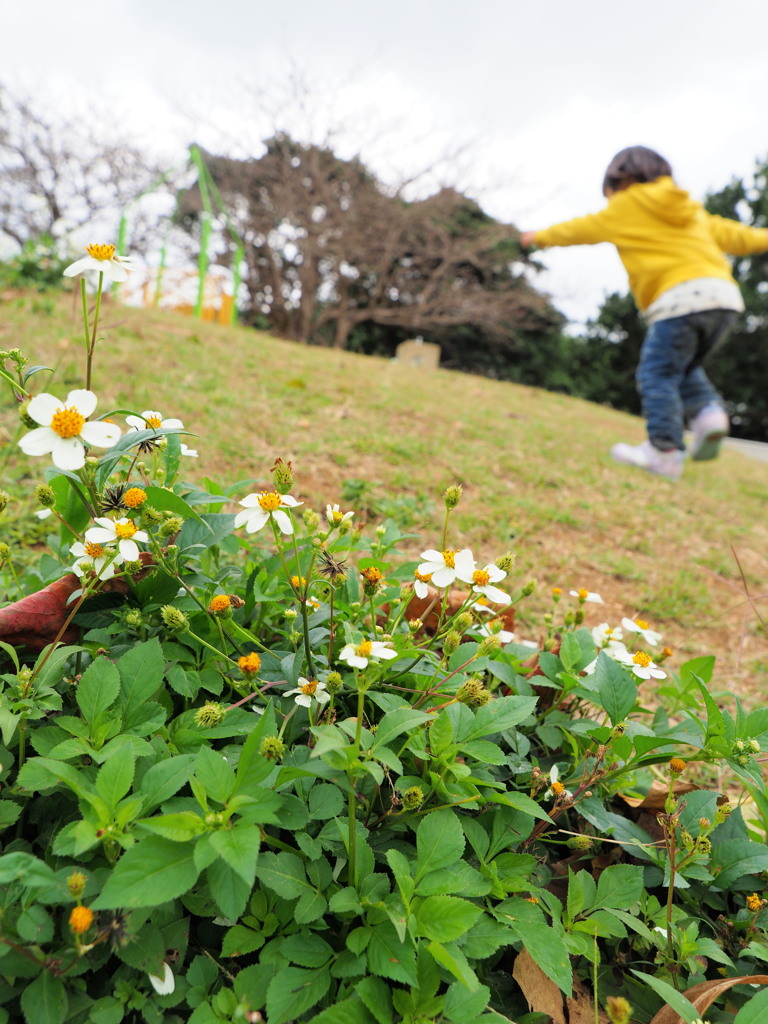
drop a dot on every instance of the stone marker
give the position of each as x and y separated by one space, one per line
418 352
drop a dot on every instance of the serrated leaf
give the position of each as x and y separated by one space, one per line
439 842
44 1000
98 688
292 991
446 918
153 871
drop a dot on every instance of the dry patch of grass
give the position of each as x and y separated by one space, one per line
535 468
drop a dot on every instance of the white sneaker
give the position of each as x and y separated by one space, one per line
710 425
645 456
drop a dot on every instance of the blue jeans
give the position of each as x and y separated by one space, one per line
670 378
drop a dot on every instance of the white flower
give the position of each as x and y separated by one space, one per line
642 665
190 452
163 985
557 789
586 595
43 513
307 690
446 566
335 517
93 558
616 651
257 508
603 634
151 420
358 655
420 584
643 629
483 580
104 259
122 532
65 430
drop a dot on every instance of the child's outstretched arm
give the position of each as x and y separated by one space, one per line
736 238
589 230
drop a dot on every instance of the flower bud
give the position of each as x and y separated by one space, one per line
529 588
272 748
452 496
371 581
506 562
5 550
210 714
150 516
220 606
618 1009
488 645
451 642
171 526
131 568
25 418
174 618
76 884
412 798
80 919
133 618
3 501
333 682
311 520
249 664
583 843
282 476
134 497
473 692
45 496
463 622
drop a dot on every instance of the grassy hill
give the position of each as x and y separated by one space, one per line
375 435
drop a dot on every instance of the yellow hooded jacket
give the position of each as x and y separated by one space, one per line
662 236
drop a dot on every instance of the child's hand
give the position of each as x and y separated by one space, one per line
527 239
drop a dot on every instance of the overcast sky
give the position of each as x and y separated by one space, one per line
532 99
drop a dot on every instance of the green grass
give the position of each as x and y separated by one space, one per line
535 468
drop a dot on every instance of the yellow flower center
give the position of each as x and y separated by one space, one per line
556 591
583 594
219 603
134 497
641 658
372 574
249 663
93 550
153 421
641 623
449 557
80 919
101 252
364 649
297 582
557 788
125 530
480 578
422 577
309 687
67 422
270 502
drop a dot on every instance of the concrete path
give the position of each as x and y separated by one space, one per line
754 449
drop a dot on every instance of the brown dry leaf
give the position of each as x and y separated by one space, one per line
542 993
702 996
656 796
580 1006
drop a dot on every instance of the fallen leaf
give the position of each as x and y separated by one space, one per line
581 1006
656 796
35 620
703 995
542 993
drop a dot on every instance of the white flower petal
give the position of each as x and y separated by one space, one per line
100 434
250 501
38 442
284 523
84 401
42 408
286 499
78 267
165 985
68 453
303 699
443 576
433 556
128 549
494 594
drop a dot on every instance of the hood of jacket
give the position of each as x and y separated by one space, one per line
663 199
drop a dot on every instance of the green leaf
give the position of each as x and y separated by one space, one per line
9 813
284 873
239 846
165 778
520 802
620 885
397 722
755 1011
307 949
25 868
388 957
348 1011
215 774
240 940
229 890
167 501
670 995
581 893
11 652
44 1000
377 996
292 991
446 918
153 871
325 801
98 689
500 714
115 777
439 842
617 689
546 946
461 1005
453 960
141 674
180 826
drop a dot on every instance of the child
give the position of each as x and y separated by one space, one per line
681 281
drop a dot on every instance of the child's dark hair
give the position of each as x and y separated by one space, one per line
632 165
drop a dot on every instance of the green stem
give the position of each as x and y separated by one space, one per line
87 334
92 344
351 804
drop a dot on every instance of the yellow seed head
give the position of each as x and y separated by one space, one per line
134 497
80 919
67 422
249 664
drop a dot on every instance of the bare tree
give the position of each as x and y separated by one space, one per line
56 175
